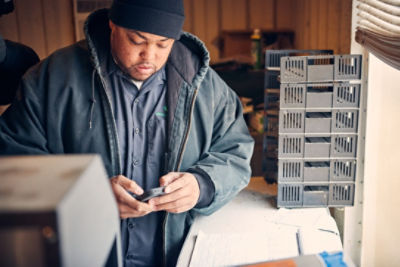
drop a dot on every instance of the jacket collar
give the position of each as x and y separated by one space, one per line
97 34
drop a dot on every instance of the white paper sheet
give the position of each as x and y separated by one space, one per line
236 249
299 217
314 241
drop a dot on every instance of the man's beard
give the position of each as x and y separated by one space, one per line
131 69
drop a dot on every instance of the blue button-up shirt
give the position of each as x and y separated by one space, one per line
141 124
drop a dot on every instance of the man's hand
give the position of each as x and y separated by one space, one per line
128 206
182 192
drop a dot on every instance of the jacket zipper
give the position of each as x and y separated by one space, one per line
178 165
179 162
114 127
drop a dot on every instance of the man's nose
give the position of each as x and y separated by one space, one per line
148 53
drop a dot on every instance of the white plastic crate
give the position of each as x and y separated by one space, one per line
290 170
346 95
343 170
344 121
291 146
291 121
290 195
317 171
293 95
320 95
344 146
299 146
273 57
315 195
317 147
341 194
302 121
320 68
318 122
299 170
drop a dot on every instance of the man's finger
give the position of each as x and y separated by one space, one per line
169 178
123 197
176 184
130 207
131 212
128 184
176 204
171 197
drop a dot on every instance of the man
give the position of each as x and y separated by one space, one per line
15 59
141 94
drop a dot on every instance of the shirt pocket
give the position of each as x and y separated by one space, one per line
156 138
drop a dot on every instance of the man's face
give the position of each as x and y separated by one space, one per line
139 54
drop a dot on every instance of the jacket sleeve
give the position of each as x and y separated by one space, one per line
21 126
227 161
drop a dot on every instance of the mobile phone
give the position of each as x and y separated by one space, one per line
151 193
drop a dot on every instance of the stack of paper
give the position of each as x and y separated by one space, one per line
280 241
237 249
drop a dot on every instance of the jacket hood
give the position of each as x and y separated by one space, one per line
189 55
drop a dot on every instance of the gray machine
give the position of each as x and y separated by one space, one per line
57 211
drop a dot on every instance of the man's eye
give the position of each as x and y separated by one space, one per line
134 42
162 45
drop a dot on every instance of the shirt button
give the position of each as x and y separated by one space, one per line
135 162
136 101
131 225
136 130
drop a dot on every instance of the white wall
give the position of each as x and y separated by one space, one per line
381 220
372 226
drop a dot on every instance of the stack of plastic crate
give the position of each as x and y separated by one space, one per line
318 125
271 107
271 114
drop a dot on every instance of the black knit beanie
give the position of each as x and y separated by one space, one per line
160 17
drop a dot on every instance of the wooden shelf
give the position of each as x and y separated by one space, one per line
238 42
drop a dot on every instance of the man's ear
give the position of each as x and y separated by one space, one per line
111 24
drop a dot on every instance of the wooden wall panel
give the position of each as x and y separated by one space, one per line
333 24
285 14
43 25
188 25
262 14
306 24
9 27
323 25
59 27
31 25
205 23
46 25
234 14
314 21
299 24
199 21
345 27
212 28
